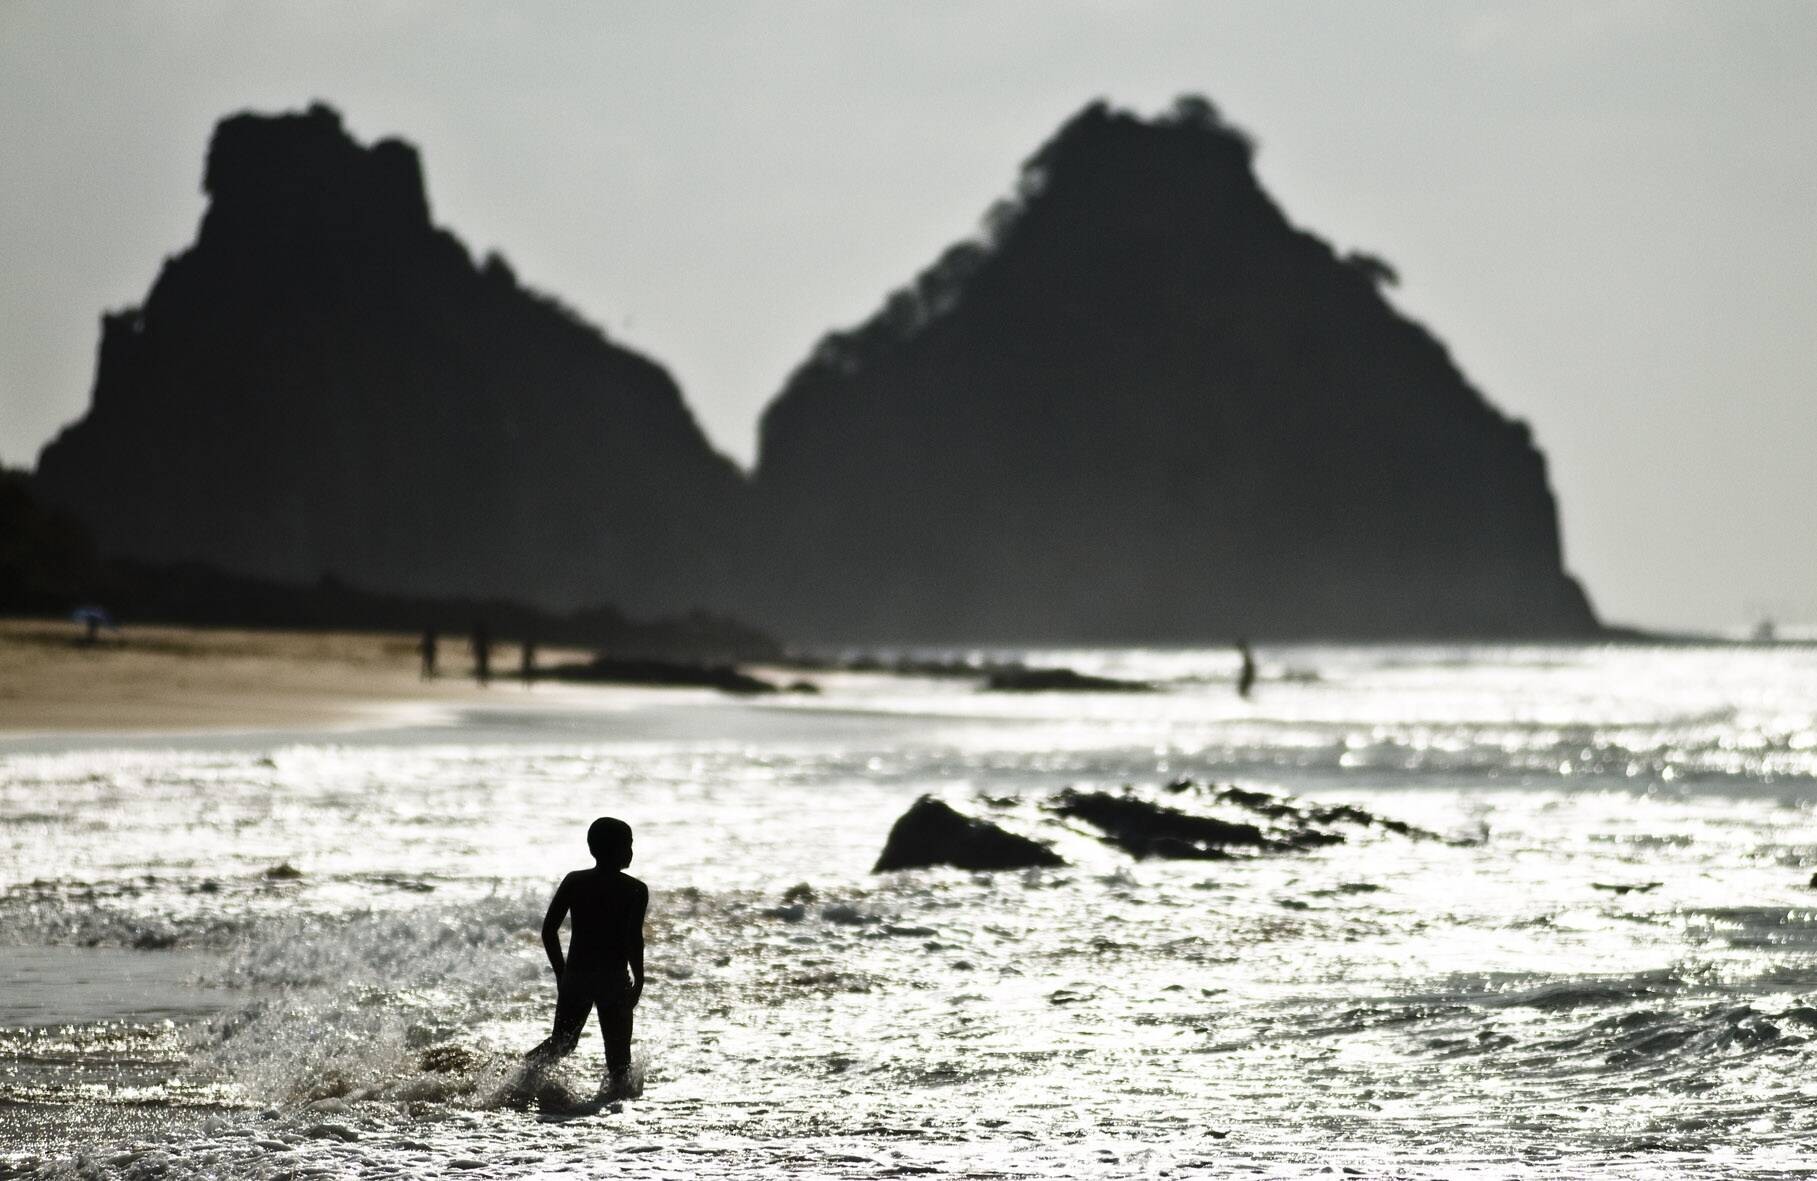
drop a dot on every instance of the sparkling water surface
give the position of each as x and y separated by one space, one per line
251 956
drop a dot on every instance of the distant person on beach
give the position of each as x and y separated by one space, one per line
482 653
1245 678
93 619
606 937
427 647
527 670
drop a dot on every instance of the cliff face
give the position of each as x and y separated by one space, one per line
326 383
1146 407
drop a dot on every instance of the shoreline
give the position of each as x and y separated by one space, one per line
173 680
200 681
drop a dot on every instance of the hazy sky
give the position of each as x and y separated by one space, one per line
1607 210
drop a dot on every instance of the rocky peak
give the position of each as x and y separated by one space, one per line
325 383
296 179
1142 404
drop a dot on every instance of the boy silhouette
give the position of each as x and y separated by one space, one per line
606 936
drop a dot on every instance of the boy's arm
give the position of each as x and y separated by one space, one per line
552 926
634 945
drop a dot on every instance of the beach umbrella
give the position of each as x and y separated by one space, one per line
92 615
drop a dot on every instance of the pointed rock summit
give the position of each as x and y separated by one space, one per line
1146 407
326 383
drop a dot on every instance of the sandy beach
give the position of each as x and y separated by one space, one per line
155 678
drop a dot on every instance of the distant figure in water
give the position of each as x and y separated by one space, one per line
527 669
482 653
606 938
427 647
1245 678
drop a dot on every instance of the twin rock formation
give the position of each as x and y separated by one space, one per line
1142 406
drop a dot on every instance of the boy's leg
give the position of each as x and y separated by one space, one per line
615 1028
571 1005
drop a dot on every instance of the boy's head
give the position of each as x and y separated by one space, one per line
609 840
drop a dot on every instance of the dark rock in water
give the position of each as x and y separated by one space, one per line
803 688
1259 802
1168 848
933 833
1627 887
1281 809
910 665
1145 829
1358 816
1145 406
665 673
339 1132
326 382
283 872
1059 680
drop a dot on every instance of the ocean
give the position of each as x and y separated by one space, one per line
317 954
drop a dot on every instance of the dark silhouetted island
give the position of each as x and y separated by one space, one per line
1141 407
1144 406
326 382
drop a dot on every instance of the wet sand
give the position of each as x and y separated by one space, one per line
157 678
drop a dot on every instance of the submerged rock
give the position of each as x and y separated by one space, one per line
846 915
1142 828
1138 823
604 670
1280 808
1059 680
1134 822
933 833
